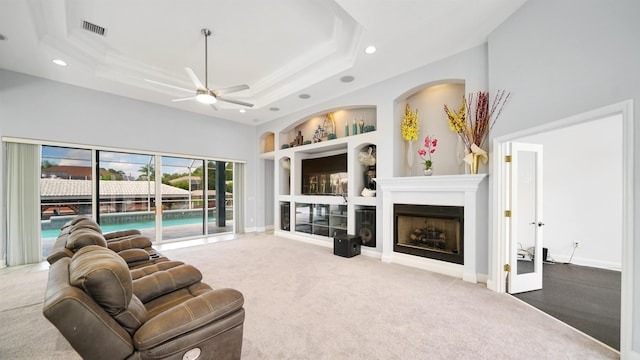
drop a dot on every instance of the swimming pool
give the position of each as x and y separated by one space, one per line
53 233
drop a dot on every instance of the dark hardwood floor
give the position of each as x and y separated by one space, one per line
584 297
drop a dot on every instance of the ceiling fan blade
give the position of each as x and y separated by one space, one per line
214 107
184 99
231 89
194 78
234 101
169 86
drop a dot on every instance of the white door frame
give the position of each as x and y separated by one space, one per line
499 250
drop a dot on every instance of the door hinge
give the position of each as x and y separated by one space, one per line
507 267
507 158
507 213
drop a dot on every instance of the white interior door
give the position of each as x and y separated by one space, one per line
524 222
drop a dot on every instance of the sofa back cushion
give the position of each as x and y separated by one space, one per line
104 276
82 237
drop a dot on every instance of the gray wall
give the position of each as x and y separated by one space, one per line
36 108
560 58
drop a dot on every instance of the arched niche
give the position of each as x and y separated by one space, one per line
267 142
366 158
429 99
284 170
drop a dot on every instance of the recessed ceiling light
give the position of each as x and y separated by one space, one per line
242 111
59 62
304 96
347 78
370 49
274 108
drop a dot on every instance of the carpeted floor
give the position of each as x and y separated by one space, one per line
302 302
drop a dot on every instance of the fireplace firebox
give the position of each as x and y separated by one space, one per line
430 231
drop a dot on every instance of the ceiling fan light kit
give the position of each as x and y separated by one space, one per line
204 97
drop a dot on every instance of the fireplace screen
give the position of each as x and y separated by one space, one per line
430 231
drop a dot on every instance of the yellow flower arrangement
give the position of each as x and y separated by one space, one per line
458 122
410 124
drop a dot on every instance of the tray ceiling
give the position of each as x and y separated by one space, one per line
281 49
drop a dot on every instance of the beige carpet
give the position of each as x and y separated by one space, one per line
302 302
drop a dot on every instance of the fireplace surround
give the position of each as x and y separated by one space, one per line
470 192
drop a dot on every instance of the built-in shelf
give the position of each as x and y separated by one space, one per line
289 182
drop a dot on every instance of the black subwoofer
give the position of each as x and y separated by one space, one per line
366 225
346 245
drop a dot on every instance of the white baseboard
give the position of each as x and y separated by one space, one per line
589 262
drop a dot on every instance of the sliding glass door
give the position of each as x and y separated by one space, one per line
127 192
65 189
183 195
192 197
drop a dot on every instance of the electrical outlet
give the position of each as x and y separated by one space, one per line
576 244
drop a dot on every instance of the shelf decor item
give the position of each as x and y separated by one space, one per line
329 125
410 133
473 121
430 143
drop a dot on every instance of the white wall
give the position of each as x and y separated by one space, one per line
582 192
40 109
561 58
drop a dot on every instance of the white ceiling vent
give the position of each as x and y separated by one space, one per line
96 29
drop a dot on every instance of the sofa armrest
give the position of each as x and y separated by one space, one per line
220 310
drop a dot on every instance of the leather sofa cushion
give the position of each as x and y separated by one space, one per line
104 276
85 223
134 255
82 237
187 316
121 234
162 282
130 242
150 269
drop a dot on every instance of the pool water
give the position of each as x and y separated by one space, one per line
134 225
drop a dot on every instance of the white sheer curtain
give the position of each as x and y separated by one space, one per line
22 194
238 197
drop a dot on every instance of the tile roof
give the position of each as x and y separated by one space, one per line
79 188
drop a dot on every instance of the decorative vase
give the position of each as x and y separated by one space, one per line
473 167
428 171
410 156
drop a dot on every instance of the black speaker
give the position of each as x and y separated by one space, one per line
366 225
285 221
346 245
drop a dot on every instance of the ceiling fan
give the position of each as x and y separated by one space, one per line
203 93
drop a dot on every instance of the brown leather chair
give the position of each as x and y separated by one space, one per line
166 314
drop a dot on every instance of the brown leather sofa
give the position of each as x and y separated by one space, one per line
159 311
82 230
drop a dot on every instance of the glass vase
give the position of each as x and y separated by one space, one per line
428 171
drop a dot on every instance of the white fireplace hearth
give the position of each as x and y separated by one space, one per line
468 191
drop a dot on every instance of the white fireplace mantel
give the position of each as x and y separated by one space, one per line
469 191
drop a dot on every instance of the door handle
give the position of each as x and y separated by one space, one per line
539 223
